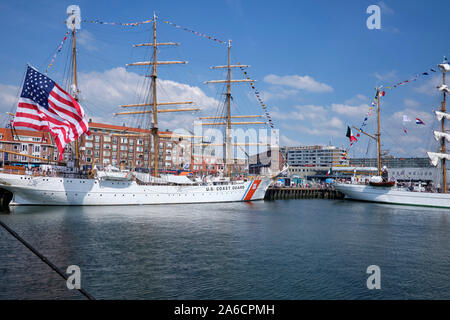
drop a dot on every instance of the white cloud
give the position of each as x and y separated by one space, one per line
285 141
103 92
87 40
300 112
411 103
336 123
429 87
384 8
389 76
356 100
8 100
350 111
278 93
306 83
316 121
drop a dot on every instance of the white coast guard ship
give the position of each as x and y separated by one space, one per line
120 188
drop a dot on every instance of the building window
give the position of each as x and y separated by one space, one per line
106 153
140 141
88 144
89 151
131 142
106 146
89 137
114 147
97 138
139 149
123 140
123 148
88 160
97 146
114 140
106 139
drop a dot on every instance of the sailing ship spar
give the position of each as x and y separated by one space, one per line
104 189
387 194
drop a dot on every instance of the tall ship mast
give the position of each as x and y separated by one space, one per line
442 135
153 89
227 117
113 186
75 91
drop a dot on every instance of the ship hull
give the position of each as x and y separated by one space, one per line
28 190
393 196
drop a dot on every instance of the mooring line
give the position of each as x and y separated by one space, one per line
43 258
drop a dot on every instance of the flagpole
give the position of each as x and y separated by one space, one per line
379 132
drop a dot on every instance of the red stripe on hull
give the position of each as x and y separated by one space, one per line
253 188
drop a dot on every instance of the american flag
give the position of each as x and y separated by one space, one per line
45 106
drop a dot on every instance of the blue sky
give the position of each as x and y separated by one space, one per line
316 62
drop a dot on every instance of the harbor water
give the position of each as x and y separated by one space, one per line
291 249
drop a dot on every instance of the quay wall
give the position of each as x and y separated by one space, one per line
284 193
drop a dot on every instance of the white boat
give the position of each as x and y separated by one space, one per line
30 190
116 187
403 196
393 195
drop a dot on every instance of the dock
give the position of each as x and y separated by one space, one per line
285 193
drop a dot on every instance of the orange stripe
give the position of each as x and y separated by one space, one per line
253 188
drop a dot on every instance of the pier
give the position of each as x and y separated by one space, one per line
283 193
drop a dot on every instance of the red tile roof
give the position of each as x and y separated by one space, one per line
8 134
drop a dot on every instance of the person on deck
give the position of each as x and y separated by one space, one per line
384 174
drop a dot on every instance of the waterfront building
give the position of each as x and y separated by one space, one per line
264 163
37 144
309 161
314 156
112 145
392 162
131 147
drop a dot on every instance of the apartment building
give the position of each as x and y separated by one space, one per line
37 144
